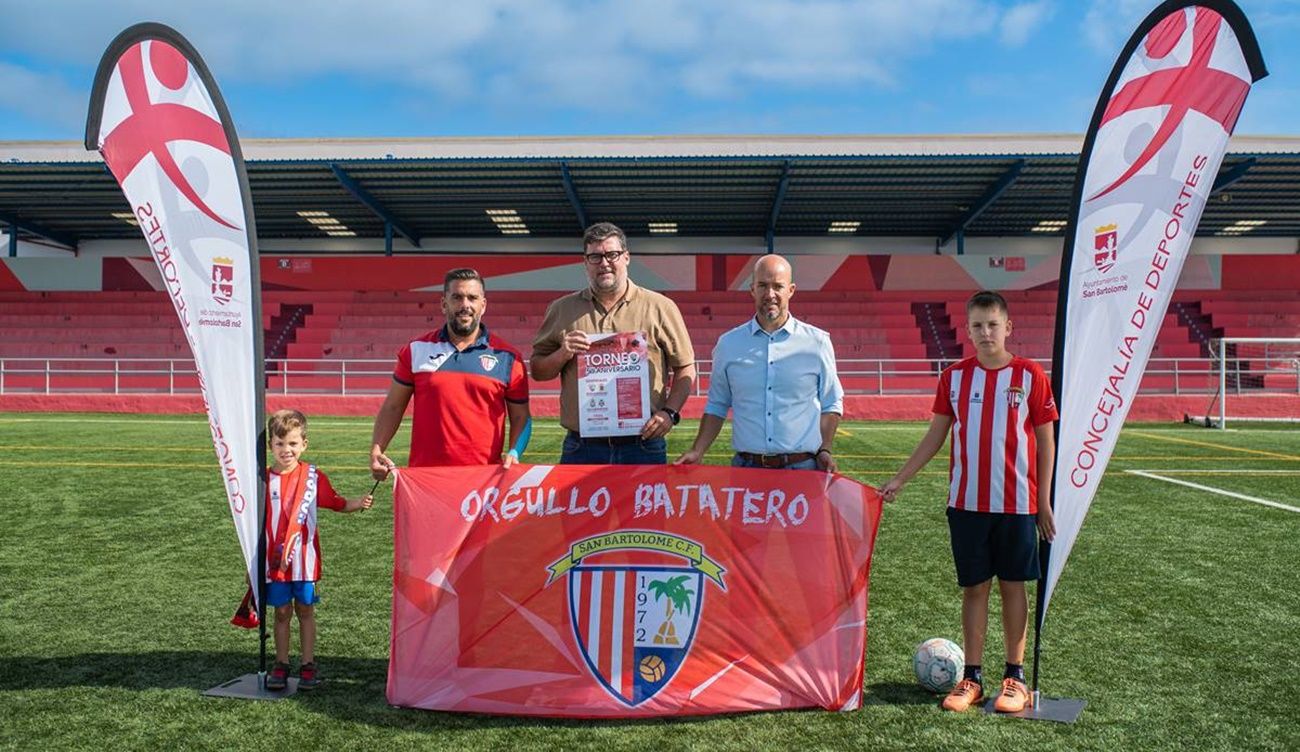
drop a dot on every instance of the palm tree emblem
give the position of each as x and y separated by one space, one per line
676 598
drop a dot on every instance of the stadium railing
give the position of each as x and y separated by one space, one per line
344 377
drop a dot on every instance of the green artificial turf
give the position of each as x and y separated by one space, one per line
1176 618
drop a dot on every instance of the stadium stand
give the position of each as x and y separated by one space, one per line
122 341
892 342
375 325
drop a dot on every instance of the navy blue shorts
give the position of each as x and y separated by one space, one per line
988 544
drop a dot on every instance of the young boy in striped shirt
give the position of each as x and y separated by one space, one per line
1000 409
295 491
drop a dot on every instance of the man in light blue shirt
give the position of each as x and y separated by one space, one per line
777 376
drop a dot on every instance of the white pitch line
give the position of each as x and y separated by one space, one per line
1212 490
1203 471
363 421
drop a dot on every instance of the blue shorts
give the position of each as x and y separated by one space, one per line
985 544
282 593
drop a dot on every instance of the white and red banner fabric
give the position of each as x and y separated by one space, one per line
1149 163
598 591
159 122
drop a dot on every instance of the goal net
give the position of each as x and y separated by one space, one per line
1258 380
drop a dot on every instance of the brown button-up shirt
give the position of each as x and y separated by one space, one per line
639 310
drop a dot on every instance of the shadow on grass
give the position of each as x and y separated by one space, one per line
897 693
170 669
354 688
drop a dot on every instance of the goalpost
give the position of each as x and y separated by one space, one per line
1248 367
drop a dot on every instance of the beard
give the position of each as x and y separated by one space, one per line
460 330
599 284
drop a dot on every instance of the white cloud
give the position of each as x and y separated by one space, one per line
584 54
43 97
819 45
1272 13
1021 21
1108 24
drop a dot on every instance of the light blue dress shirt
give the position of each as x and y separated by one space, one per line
777 386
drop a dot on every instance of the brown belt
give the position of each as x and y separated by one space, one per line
776 460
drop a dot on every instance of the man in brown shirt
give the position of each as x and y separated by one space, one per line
613 303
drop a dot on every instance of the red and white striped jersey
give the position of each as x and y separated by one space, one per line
994 465
292 546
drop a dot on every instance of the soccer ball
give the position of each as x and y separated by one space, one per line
652 668
938 664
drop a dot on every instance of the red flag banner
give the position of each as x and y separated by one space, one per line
589 591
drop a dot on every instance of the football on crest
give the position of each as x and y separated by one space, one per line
652 668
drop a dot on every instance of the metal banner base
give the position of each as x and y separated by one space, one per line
1058 709
250 687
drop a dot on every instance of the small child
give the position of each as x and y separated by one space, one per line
1000 409
294 492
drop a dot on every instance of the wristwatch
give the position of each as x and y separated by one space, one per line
676 416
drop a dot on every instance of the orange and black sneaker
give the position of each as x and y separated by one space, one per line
1014 696
965 694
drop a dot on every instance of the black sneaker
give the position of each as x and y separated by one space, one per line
308 678
278 679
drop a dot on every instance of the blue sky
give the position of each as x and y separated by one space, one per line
623 67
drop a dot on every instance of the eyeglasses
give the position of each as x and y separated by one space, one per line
596 258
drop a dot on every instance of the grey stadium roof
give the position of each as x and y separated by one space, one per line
918 186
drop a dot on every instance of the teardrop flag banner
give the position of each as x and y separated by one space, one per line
162 127
1149 162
